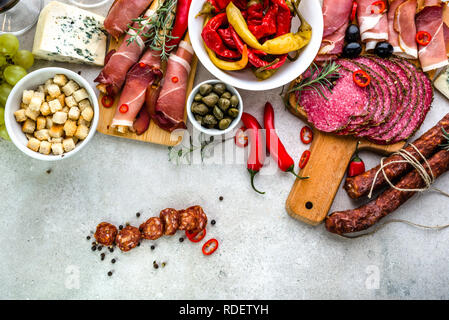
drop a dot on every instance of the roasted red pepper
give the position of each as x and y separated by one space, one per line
423 38
180 25
304 159
284 17
306 135
196 236
356 166
213 40
255 13
267 27
226 36
274 145
257 153
210 247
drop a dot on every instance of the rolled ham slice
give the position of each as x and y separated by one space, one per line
446 26
138 79
393 35
430 19
169 110
373 26
404 25
336 20
121 15
113 75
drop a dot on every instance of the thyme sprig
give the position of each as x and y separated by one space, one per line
446 136
320 80
157 28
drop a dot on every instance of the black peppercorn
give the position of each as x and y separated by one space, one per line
113 261
221 198
181 239
111 249
155 266
99 248
102 256
94 248
110 273
213 222
120 227
138 214
152 247
88 237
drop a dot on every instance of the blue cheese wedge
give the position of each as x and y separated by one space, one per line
442 83
68 34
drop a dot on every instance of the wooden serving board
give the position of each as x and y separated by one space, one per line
310 200
154 134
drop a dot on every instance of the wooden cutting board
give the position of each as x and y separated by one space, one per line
310 200
154 134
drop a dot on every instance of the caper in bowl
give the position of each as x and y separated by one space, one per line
214 107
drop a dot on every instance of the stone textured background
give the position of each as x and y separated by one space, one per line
263 254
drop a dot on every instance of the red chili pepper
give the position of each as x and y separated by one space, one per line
123 108
180 25
213 40
284 17
210 247
380 5
142 65
257 153
306 135
274 144
354 10
361 78
304 159
356 166
175 79
107 101
239 136
423 38
196 236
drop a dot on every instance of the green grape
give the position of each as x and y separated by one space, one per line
23 58
5 90
2 116
9 44
4 133
13 74
2 60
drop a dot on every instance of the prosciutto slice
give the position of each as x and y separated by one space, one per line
393 35
336 20
138 79
113 75
430 19
169 110
373 25
121 15
446 26
404 25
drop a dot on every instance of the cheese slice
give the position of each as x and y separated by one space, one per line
442 83
68 34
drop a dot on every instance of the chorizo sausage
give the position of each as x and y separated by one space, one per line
170 218
201 217
367 215
152 229
105 233
427 144
128 238
187 220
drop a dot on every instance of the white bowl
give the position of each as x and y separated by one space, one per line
30 82
245 79
213 132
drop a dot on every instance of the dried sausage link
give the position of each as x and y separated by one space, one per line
152 229
128 238
170 218
187 220
201 217
105 233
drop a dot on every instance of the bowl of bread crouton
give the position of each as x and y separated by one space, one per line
51 114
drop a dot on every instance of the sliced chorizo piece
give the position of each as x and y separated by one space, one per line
200 217
128 238
170 219
105 233
187 220
152 229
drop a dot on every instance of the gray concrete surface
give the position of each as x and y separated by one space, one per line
263 254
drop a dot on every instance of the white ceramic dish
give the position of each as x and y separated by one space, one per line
245 79
199 127
32 81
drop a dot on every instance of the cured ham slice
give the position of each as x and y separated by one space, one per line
446 26
121 15
430 19
336 20
169 110
132 97
404 24
113 75
373 25
393 35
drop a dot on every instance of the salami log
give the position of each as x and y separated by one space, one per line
360 185
364 217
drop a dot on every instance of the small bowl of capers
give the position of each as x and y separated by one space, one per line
214 107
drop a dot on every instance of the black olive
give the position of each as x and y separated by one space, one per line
352 50
352 33
383 50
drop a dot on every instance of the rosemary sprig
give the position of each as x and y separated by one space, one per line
157 28
446 136
319 80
